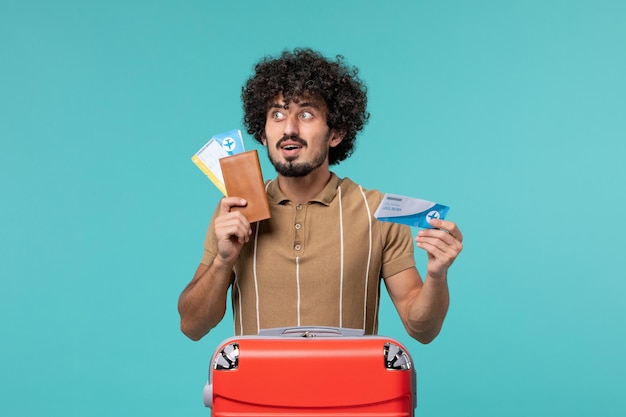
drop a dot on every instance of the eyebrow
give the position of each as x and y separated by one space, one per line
312 104
277 106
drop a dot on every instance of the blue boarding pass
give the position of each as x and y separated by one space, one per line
230 141
410 211
208 157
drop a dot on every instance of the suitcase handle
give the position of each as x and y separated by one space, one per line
312 331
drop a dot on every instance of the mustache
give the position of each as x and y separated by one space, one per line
292 138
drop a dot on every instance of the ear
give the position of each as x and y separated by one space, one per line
336 137
263 139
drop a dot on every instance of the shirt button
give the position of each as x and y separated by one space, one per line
299 207
297 247
298 226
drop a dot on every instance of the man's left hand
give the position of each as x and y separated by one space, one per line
442 244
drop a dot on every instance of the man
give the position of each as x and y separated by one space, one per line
320 259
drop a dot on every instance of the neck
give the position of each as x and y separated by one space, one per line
302 189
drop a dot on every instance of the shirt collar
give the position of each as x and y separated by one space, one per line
325 196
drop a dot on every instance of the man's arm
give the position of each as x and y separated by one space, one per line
202 304
423 306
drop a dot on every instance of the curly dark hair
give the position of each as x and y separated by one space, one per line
305 73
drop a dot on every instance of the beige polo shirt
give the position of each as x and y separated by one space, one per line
316 264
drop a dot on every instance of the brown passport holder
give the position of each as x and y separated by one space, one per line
243 178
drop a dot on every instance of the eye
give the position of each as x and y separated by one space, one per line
278 115
306 115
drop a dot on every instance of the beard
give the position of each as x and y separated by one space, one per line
293 168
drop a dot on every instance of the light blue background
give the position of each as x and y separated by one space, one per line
510 112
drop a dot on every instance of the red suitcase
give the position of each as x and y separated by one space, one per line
311 372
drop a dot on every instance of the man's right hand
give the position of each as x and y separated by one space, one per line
232 229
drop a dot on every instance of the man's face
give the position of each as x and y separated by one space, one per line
297 136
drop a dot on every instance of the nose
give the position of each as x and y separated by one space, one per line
291 125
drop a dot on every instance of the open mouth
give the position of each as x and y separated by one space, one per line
290 151
291 147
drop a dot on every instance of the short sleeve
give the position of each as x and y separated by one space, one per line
398 250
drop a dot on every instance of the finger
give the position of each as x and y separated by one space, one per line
440 256
227 203
440 244
443 235
234 233
449 227
233 224
440 239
